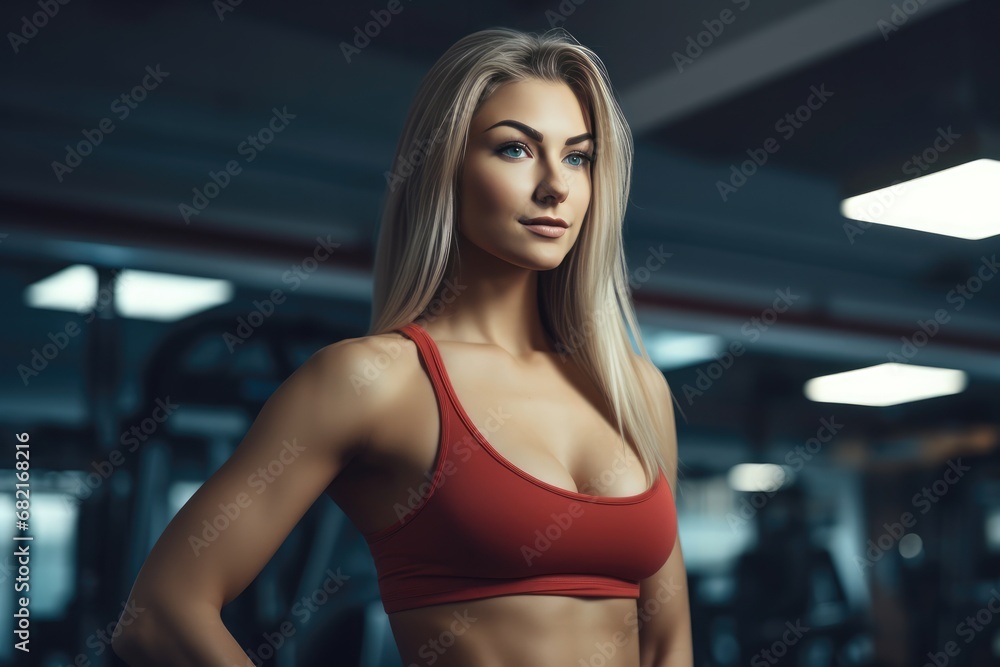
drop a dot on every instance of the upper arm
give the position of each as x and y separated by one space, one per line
663 605
230 528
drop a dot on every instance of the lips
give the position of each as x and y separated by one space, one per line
547 221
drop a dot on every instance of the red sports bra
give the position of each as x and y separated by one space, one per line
480 527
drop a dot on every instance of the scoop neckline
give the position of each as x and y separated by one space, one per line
577 495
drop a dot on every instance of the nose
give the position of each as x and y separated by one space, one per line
552 189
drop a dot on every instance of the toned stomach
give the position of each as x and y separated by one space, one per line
522 630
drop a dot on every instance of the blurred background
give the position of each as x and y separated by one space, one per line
189 203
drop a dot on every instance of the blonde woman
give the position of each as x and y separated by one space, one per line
511 461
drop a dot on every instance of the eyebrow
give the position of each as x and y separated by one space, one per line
536 135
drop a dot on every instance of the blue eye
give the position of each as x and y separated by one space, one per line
516 147
582 158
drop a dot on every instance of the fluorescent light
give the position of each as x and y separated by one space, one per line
758 477
885 384
74 288
138 294
165 296
961 201
675 349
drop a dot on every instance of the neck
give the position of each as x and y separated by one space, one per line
489 301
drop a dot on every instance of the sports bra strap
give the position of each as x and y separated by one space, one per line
429 355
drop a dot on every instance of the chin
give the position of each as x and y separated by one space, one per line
531 256
541 263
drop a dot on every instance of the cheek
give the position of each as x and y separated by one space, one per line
586 191
492 191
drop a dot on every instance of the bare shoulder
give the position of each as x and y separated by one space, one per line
367 361
375 369
652 376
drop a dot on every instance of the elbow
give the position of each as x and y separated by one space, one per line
131 637
127 644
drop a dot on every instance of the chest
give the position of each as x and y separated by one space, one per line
545 420
546 417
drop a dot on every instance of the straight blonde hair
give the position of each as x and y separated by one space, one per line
585 303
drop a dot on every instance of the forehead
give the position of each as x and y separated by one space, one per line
550 107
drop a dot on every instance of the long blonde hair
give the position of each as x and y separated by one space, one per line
585 303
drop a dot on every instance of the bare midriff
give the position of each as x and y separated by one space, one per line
522 630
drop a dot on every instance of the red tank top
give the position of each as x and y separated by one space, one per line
480 527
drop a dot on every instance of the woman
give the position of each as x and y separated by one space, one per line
486 461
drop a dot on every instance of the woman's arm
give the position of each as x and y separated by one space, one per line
665 614
308 430
664 605
193 635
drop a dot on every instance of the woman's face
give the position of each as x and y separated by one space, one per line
528 155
